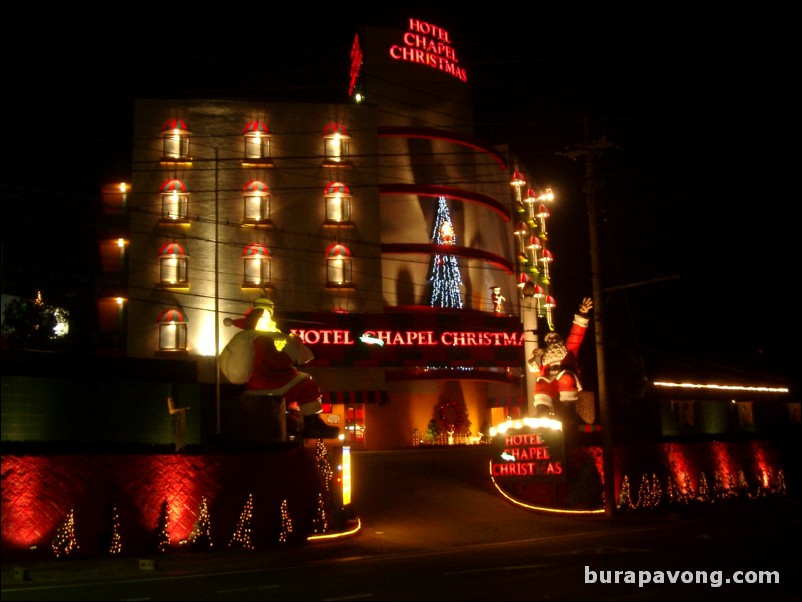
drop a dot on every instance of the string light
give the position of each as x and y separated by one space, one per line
201 536
286 523
64 542
446 278
242 536
116 545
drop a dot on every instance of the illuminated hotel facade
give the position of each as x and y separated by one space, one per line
331 211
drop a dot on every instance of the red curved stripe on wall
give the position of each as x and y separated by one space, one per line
430 249
457 194
445 135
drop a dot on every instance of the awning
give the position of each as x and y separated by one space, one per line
347 397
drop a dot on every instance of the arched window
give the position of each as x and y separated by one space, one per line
257 144
175 202
173 266
339 271
256 265
172 330
338 202
256 209
175 137
336 142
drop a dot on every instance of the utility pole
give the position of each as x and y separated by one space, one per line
589 151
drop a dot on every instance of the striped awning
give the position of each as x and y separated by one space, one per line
338 250
255 249
256 187
174 186
171 315
335 128
175 124
255 127
335 187
379 397
172 248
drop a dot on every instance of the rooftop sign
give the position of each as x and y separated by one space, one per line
429 45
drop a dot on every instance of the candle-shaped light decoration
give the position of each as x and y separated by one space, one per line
529 200
533 245
518 181
542 214
546 258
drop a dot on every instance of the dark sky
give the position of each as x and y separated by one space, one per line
696 215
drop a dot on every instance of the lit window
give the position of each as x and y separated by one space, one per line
175 136
256 260
339 271
173 265
338 202
172 331
335 145
256 196
175 202
257 140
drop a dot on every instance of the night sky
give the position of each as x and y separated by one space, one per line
696 214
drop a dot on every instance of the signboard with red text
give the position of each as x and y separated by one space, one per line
443 338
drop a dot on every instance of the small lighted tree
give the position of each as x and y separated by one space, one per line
242 536
286 523
64 542
201 536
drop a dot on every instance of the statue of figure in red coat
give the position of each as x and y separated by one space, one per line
265 359
556 365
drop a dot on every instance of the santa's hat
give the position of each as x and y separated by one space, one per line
248 322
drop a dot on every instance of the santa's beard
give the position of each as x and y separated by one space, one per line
554 353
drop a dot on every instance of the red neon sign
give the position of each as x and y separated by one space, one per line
430 45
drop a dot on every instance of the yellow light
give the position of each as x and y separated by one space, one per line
123 187
346 473
120 300
121 242
720 387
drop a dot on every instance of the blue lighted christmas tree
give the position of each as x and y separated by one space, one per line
446 279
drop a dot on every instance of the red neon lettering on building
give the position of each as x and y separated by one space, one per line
524 439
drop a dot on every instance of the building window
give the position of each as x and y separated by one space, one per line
175 137
336 142
256 209
175 203
339 271
173 266
257 144
256 265
338 203
172 331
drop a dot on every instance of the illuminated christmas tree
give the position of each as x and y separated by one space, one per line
325 476
446 278
162 534
201 536
286 523
116 545
242 533
625 497
64 542
320 523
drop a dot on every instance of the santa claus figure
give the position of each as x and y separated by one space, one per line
556 365
265 359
